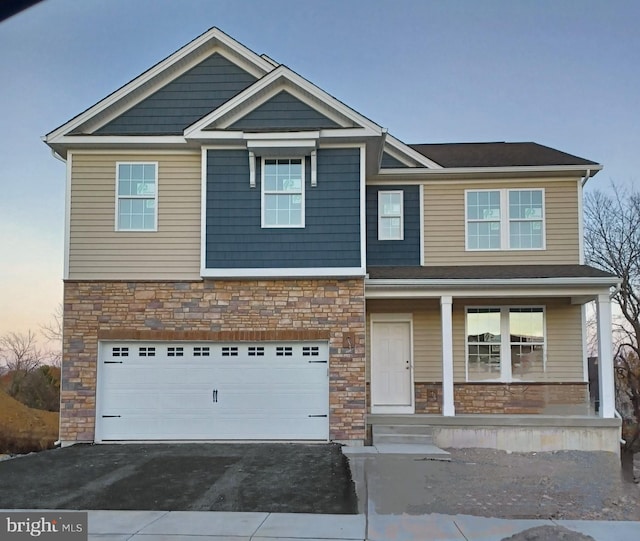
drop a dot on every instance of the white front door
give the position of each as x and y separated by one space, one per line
391 365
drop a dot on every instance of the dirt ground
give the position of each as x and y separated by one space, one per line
275 478
485 482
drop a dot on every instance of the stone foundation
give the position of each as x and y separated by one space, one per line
230 310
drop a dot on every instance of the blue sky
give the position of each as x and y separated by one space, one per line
561 73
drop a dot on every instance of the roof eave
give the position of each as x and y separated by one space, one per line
463 173
495 283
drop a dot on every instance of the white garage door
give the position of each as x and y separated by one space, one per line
204 390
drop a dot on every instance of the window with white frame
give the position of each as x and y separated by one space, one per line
283 192
136 189
390 215
504 219
505 344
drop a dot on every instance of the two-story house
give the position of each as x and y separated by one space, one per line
247 257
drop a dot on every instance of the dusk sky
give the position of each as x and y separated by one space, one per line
561 73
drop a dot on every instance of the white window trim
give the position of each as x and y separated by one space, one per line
381 217
263 193
118 197
505 220
505 352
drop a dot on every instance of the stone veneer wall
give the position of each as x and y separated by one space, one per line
507 398
226 310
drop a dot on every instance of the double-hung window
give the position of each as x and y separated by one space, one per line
283 192
390 215
505 344
504 219
136 196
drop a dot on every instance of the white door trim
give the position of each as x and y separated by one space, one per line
396 318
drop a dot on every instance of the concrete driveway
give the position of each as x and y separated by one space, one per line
275 478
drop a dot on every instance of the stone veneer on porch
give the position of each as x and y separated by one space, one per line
504 398
225 310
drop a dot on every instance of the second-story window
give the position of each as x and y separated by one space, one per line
390 215
283 192
136 196
504 219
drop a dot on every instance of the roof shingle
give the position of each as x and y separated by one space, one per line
486 272
496 155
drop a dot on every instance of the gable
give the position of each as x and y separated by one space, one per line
283 112
389 162
184 100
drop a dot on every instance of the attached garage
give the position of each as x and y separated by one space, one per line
212 391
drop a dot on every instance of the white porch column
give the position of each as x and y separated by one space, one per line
448 407
605 357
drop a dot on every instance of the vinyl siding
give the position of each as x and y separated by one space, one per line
389 162
97 251
184 100
330 237
283 112
563 326
444 222
394 252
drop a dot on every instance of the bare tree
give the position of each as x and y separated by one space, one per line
52 332
20 354
612 243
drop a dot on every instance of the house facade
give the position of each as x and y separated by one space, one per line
248 258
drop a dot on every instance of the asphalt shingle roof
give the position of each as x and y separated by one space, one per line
486 272
496 155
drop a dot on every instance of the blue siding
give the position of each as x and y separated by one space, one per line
330 238
283 112
394 252
183 101
389 162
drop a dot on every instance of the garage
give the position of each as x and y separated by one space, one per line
212 391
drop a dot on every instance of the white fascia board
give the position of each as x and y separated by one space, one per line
278 137
72 140
530 170
496 283
403 149
214 35
279 77
285 273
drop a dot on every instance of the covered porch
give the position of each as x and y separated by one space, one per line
473 358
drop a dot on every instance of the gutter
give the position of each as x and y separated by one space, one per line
587 177
452 171
492 282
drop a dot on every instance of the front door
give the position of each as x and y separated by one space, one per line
391 366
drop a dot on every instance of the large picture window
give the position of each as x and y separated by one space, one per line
505 344
136 189
504 219
283 192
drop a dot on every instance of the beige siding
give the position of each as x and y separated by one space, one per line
444 221
563 323
427 342
97 251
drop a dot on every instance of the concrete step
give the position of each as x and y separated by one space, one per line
416 451
402 434
402 429
423 439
